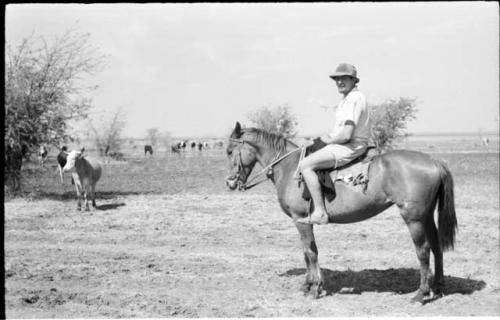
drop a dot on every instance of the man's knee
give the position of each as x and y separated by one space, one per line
305 165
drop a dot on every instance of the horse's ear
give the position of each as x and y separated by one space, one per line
237 128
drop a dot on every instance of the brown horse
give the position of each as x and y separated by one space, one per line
412 180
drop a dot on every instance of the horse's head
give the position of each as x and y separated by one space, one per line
242 158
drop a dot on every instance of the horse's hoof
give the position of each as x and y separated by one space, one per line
437 290
419 297
433 296
305 287
316 291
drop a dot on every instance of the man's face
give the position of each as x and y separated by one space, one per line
345 84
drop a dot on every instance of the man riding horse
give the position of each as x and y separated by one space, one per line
349 138
413 181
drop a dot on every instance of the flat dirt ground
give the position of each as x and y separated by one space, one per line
168 240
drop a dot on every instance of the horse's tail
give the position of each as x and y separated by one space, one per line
447 219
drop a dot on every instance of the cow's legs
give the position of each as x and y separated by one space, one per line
78 197
78 187
60 173
93 196
86 192
86 201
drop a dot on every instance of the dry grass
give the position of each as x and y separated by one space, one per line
168 240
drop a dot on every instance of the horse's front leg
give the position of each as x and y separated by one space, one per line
314 279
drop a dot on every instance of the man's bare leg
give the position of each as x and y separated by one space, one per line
321 159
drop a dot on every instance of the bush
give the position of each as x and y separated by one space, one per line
278 119
389 121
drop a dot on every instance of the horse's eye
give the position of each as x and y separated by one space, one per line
229 152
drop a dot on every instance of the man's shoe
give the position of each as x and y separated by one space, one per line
314 219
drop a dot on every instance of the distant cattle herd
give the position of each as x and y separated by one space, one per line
180 146
85 172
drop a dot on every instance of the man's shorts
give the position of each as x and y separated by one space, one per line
344 153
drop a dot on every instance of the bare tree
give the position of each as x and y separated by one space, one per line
152 135
166 140
43 89
106 131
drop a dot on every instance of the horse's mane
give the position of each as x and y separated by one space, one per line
272 140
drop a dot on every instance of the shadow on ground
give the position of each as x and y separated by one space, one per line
71 195
110 206
400 281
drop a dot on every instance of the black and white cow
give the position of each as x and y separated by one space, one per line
182 145
61 161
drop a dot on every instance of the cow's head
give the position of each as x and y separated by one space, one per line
73 157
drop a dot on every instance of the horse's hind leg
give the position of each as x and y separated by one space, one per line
314 279
415 219
432 236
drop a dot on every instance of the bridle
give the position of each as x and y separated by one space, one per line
268 170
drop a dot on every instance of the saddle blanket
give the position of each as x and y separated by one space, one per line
354 176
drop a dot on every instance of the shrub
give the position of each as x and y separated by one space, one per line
278 119
389 121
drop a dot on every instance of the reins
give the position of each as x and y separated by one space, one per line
268 170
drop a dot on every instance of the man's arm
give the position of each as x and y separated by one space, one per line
341 136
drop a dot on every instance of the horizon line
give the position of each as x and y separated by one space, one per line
409 134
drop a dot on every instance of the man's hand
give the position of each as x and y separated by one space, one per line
308 143
326 139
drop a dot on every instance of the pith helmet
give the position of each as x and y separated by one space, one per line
345 69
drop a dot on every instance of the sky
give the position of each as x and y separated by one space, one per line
196 69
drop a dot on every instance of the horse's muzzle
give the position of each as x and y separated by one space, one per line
232 182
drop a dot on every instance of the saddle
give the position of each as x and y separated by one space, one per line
354 173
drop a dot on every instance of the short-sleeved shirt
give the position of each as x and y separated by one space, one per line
354 108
